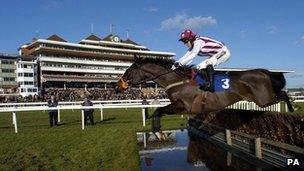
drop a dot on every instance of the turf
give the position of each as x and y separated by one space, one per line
108 145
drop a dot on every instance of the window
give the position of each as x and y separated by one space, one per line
9 79
28 83
28 74
8 62
8 70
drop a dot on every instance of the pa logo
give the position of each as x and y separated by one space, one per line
293 162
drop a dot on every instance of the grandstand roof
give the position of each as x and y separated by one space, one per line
96 47
108 37
130 41
8 56
54 37
93 37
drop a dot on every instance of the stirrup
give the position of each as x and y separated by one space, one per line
205 86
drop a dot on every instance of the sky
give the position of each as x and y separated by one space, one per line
260 34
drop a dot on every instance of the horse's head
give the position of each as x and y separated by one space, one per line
142 70
133 75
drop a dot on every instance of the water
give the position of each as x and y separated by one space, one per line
181 152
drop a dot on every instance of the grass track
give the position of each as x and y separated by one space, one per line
108 145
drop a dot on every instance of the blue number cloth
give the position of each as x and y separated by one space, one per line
221 82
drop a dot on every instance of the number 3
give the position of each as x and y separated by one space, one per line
225 83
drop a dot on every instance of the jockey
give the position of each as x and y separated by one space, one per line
215 51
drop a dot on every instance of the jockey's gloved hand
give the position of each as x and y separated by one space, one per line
175 65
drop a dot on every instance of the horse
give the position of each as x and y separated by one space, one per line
257 85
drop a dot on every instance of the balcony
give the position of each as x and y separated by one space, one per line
75 78
82 70
79 61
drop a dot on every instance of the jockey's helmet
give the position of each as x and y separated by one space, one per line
187 35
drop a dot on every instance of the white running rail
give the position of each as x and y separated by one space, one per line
116 104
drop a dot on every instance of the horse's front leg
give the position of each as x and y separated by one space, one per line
173 108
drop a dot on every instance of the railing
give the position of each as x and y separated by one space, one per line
270 151
73 107
244 105
78 102
114 104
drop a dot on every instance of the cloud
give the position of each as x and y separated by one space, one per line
52 5
151 9
272 30
182 21
302 39
243 34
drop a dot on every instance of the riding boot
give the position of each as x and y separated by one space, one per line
209 85
210 73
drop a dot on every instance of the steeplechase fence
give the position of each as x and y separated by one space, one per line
273 152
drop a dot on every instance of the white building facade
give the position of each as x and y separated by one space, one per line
27 78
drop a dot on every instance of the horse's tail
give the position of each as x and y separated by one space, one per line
277 79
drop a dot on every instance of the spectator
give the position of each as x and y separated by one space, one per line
53 114
88 113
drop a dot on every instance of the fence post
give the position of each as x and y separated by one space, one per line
228 137
58 114
15 122
286 108
82 119
229 158
145 139
143 112
101 113
258 148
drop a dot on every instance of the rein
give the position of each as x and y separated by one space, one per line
154 78
157 76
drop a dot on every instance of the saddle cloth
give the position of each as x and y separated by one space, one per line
221 82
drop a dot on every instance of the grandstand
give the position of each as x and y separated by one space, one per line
91 63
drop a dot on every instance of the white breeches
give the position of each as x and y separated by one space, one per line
216 59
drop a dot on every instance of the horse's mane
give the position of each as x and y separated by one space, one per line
166 63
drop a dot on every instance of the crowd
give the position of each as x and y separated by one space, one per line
78 94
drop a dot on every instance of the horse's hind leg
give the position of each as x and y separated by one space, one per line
282 95
173 108
156 124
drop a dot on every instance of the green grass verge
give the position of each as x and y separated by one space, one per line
299 106
108 145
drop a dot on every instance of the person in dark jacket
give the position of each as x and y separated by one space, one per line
88 113
53 114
